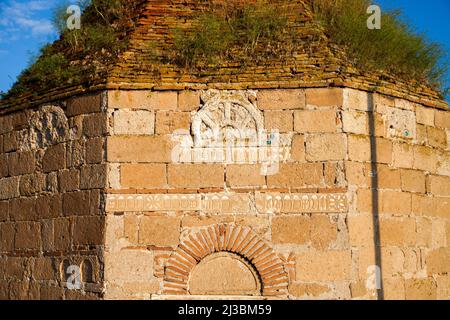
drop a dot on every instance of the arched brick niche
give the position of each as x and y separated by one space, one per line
249 265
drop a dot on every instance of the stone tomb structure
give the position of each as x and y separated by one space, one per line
313 190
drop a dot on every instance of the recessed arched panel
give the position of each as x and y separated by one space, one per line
224 274
255 256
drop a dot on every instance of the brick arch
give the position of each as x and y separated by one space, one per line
236 239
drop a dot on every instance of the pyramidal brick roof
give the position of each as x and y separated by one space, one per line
316 62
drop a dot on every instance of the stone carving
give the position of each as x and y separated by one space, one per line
229 203
47 126
228 114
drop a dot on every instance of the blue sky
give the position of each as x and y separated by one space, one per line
25 25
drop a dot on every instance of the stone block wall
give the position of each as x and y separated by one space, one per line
96 182
52 180
336 146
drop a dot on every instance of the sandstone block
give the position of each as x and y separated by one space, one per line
28 236
95 125
245 175
69 180
139 149
93 176
32 184
425 116
298 148
291 230
442 119
283 121
94 150
281 99
437 261
324 266
402 155
425 159
355 122
134 122
439 185
54 158
76 203
388 178
420 289
297 176
7 233
358 173
437 137
168 122
355 99
315 121
323 147
397 232
84 104
359 148
188 100
143 99
62 235
162 231
413 180
300 290
3 165
360 230
21 163
325 97
22 209
48 206
143 176
88 230
394 202
196 175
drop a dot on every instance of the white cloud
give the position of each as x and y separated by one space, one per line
22 19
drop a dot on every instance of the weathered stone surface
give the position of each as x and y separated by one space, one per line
281 99
28 236
69 180
22 209
413 180
283 121
396 202
359 148
139 149
402 155
95 125
84 104
425 115
76 203
442 119
88 230
159 231
167 122
21 163
324 265
355 99
298 148
188 100
355 122
54 158
315 121
420 289
397 232
93 176
358 173
291 230
300 290
223 275
323 147
94 150
134 122
437 261
360 230
136 99
438 185
388 178
324 97
244 175
437 137
196 175
143 176
297 176
425 159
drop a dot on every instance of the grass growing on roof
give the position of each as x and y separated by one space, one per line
395 48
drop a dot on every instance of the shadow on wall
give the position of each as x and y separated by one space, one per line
375 195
